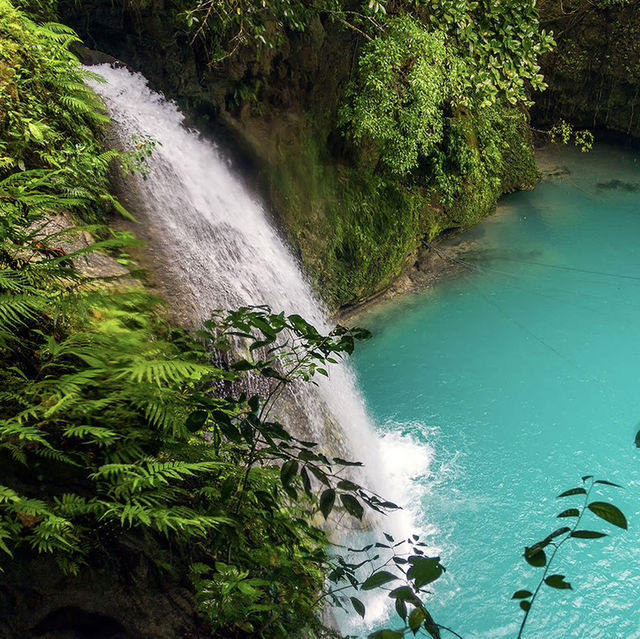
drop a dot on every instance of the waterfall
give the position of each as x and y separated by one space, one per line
215 241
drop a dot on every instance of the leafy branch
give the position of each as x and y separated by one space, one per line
536 555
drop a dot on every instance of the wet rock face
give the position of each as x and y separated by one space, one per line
355 229
125 597
594 73
71 621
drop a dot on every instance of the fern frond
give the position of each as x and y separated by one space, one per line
161 372
21 432
54 533
8 495
16 309
94 434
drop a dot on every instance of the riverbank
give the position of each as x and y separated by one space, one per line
444 258
518 378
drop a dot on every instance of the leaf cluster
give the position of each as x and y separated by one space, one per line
538 555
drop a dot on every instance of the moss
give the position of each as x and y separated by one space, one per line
497 154
355 227
354 223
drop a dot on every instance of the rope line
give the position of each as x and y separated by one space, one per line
572 363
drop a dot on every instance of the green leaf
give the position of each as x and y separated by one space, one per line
525 605
358 606
607 483
352 506
306 482
320 475
609 513
401 609
35 131
288 472
378 579
535 557
416 618
570 512
405 594
431 626
424 570
196 420
587 534
327 499
345 462
557 581
521 594
347 485
572 491
553 535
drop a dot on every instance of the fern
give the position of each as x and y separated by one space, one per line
160 372
17 309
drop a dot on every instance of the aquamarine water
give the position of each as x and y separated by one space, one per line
511 381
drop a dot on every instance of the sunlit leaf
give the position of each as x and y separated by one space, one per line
416 618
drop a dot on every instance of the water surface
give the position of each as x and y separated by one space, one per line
518 377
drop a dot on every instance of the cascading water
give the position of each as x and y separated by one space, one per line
217 244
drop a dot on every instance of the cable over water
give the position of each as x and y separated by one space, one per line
529 379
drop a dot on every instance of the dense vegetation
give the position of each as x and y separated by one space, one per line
593 73
326 98
106 429
435 115
119 435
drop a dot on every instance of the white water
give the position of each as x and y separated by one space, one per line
218 243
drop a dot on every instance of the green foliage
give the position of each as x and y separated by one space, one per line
49 118
429 117
98 392
605 4
403 570
536 554
405 82
565 133
417 76
500 43
149 442
39 10
228 26
101 394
